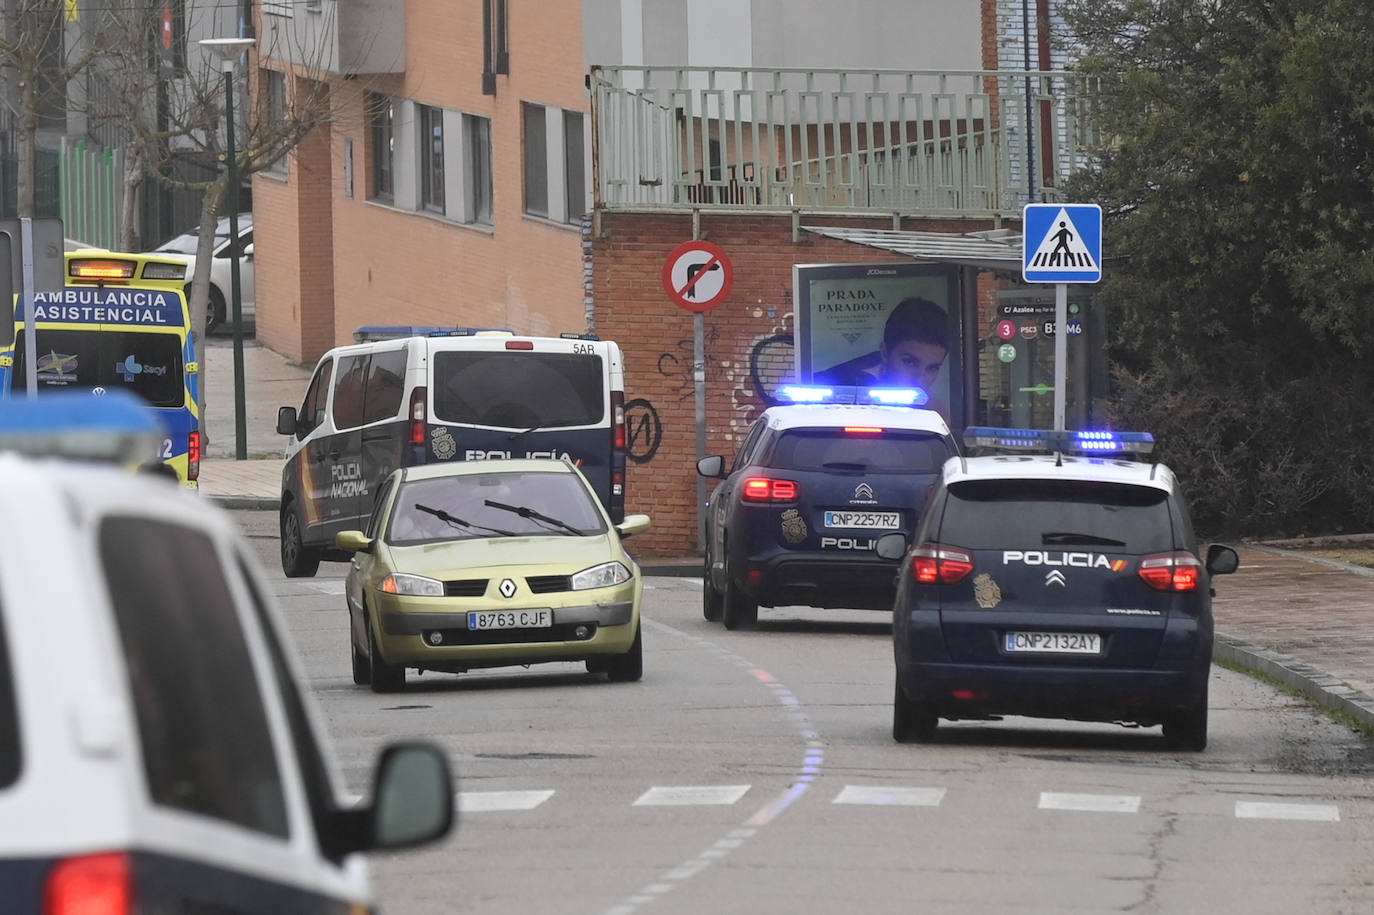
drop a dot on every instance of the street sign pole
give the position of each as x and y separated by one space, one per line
699 382
1061 353
30 327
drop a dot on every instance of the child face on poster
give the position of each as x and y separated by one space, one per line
915 344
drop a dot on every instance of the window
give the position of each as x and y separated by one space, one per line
148 364
431 158
479 170
380 115
490 505
834 449
316 396
385 385
515 390
348 392
185 653
575 186
276 113
536 161
374 523
992 514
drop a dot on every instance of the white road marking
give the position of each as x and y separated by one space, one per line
690 795
885 796
484 801
334 586
1260 810
1092 803
695 581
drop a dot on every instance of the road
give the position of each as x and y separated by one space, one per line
755 771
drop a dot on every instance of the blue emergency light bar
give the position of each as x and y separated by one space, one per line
116 427
370 332
1066 441
852 394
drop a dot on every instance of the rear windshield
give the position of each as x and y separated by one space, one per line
10 754
475 505
1025 514
835 449
519 389
148 364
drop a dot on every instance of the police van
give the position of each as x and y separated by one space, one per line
158 750
402 396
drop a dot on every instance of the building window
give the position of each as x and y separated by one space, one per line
431 158
575 185
276 112
478 170
380 115
536 161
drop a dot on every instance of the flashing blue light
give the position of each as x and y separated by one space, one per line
1083 441
371 332
898 397
800 393
119 426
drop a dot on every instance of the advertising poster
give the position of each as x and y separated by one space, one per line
895 325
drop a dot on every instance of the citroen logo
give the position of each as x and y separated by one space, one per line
507 587
1055 577
863 491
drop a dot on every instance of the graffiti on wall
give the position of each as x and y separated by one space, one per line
643 431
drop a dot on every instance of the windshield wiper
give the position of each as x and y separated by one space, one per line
525 512
1057 538
521 432
458 522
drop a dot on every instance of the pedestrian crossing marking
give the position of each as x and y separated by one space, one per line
1090 803
486 801
690 795
1262 810
1063 248
890 796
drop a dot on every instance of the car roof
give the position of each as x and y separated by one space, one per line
827 416
494 465
1067 467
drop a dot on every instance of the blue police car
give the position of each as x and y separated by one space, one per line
814 484
1066 584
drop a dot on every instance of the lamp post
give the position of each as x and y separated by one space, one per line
229 50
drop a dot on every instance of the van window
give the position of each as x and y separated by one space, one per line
316 396
348 392
11 756
385 384
207 745
519 390
148 364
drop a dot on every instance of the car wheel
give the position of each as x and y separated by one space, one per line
711 603
912 722
737 610
1187 730
296 560
628 667
386 678
362 669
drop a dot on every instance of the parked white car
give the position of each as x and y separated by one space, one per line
219 316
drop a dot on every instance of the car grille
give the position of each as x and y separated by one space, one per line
559 632
545 584
467 587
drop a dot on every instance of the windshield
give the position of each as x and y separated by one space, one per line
519 390
505 504
148 364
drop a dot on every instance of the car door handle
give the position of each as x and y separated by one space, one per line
334 455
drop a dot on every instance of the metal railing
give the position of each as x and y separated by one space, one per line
970 142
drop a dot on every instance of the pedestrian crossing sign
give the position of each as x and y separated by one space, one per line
1061 243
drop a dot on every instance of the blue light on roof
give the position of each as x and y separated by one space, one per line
119 426
1047 440
898 397
801 393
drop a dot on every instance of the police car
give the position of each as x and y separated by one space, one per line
1063 584
158 752
815 482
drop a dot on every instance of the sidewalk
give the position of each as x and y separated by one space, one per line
1308 623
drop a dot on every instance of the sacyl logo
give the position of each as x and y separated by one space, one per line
507 588
1055 577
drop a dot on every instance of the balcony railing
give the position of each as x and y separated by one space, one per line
909 142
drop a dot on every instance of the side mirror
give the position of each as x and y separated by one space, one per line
353 541
711 466
891 546
1221 559
247 250
633 524
286 421
412 797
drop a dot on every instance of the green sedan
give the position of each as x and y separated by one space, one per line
493 563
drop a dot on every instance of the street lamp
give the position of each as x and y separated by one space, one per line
229 50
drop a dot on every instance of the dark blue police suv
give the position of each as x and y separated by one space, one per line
1064 585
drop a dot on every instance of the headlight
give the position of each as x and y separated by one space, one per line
602 576
412 585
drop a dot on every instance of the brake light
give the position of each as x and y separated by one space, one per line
618 420
1177 571
519 344
863 430
193 455
417 416
934 563
765 489
90 885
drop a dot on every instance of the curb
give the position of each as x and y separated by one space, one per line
1322 688
250 503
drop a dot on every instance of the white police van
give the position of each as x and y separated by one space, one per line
157 750
403 396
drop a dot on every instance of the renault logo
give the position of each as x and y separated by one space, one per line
1055 577
863 491
507 587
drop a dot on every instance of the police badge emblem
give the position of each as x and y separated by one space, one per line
986 591
444 445
793 526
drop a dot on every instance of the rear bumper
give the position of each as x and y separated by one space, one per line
819 580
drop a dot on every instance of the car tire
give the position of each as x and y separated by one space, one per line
362 667
1187 730
711 604
912 722
385 678
627 667
296 560
737 610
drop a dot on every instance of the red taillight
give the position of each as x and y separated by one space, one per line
193 455
764 489
417 416
933 563
519 344
1178 571
618 420
863 430
90 885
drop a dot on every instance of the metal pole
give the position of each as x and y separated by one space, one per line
1061 352
30 325
240 409
699 381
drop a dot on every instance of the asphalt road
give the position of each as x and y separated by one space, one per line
755 771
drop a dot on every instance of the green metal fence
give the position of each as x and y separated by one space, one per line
47 190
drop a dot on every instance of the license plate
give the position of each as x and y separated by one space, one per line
888 521
510 619
1055 642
